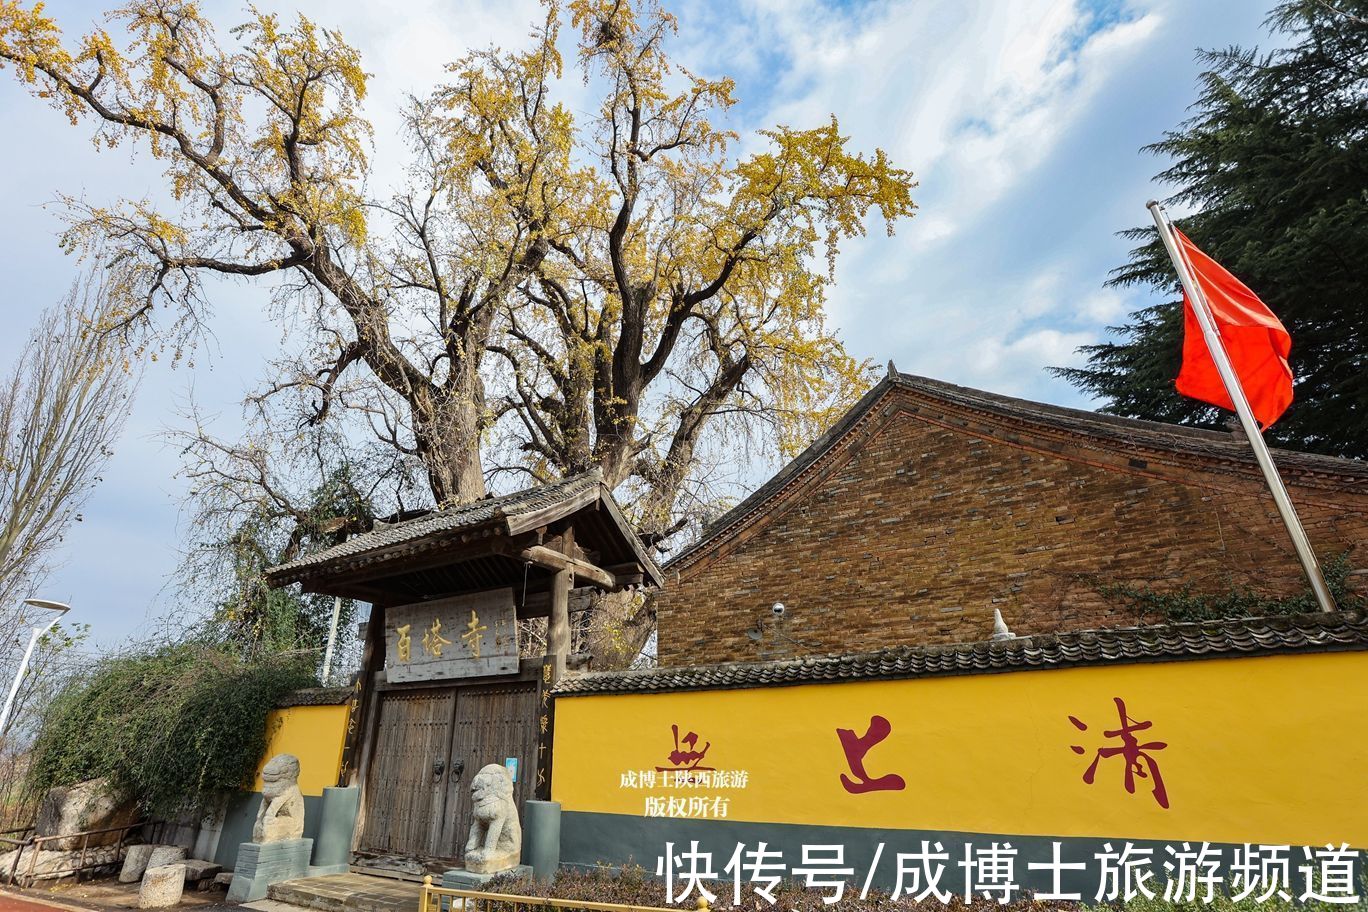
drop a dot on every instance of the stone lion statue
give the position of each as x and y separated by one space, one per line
282 804
495 841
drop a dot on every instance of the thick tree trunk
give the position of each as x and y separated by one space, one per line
448 434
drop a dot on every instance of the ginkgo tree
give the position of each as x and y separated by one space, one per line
543 296
679 285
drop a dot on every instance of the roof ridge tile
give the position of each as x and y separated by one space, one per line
1159 642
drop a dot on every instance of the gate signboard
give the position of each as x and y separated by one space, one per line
463 637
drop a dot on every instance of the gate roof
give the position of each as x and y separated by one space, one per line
483 545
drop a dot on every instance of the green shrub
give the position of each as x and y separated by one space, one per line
168 727
1187 604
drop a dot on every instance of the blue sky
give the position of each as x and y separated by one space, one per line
1022 119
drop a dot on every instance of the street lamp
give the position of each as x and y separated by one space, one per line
38 632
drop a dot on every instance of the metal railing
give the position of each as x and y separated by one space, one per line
449 899
102 853
17 837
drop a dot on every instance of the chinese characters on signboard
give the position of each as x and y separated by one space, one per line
462 637
1119 751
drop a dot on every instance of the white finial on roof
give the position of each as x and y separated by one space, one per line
1000 631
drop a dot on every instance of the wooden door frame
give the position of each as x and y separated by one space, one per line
459 822
424 708
529 670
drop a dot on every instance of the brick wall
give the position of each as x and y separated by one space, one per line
912 529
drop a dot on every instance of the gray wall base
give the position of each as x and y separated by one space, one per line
240 817
260 864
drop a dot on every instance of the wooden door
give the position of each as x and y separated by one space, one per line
406 787
493 723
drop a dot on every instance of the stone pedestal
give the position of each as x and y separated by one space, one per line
135 862
161 886
165 855
260 864
461 879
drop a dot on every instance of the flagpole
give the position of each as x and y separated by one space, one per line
1237 396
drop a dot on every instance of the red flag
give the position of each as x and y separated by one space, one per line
1254 339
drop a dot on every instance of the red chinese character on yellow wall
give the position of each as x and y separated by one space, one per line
686 755
1139 762
856 747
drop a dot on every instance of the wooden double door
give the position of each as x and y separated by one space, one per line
429 744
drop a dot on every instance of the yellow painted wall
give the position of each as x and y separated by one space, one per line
1271 749
315 735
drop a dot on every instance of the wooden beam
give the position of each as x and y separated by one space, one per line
558 622
525 522
543 556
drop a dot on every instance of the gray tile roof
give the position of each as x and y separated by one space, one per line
489 510
1108 430
1345 630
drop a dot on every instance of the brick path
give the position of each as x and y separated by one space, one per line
10 902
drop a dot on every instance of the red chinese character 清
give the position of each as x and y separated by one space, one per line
1140 763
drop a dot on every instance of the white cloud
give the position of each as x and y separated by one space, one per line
1103 307
1008 365
972 96
976 98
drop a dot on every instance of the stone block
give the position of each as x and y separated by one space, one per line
165 855
260 864
541 848
162 887
29 864
89 805
461 879
197 870
135 862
